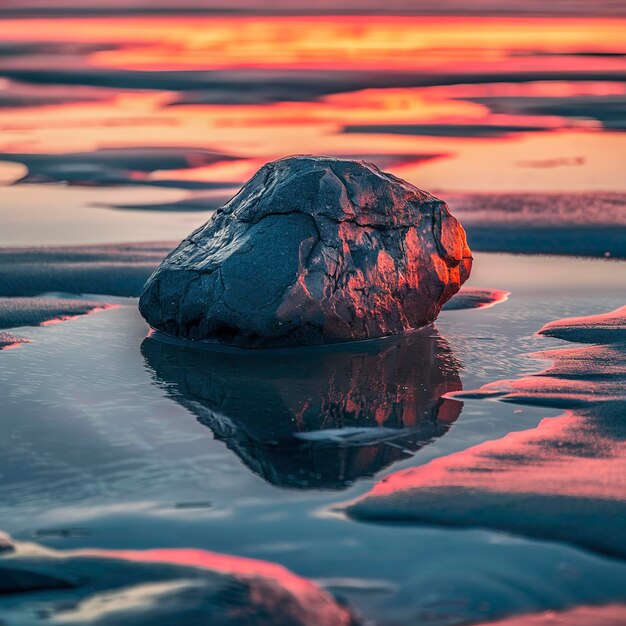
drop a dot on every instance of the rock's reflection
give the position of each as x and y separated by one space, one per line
317 418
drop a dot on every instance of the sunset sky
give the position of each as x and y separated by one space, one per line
510 97
459 457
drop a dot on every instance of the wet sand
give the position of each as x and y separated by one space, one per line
136 587
562 480
475 298
132 444
116 269
16 312
538 224
150 483
9 341
610 615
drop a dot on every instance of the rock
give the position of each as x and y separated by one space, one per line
312 250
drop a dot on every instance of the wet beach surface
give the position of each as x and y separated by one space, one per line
471 472
119 441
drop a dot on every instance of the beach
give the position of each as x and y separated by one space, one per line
467 472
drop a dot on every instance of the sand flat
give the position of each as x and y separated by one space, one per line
563 480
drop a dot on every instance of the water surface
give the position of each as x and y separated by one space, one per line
120 441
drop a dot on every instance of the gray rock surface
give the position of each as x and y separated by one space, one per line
312 250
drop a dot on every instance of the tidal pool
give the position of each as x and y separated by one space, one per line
114 440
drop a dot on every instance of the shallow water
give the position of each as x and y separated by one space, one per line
118 441
123 122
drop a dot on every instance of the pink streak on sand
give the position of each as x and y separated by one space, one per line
67 318
546 459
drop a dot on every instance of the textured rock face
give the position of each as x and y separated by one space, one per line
312 250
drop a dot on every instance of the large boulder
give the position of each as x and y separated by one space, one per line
312 250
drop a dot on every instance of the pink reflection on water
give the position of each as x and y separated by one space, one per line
449 49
